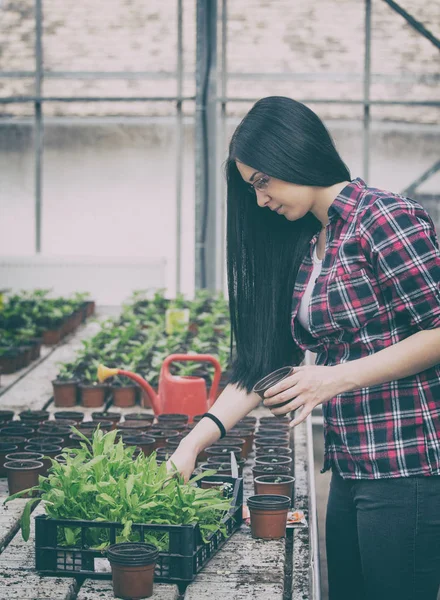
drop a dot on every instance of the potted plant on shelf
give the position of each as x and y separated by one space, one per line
274 484
65 387
268 516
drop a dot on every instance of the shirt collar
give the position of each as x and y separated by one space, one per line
347 199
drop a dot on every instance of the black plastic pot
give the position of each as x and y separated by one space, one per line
132 569
270 380
223 451
22 430
42 441
25 455
273 451
271 442
5 449
6 415
270 470
34 416
15 440
146 443
272 420
69 415
139 417
173 418
48 451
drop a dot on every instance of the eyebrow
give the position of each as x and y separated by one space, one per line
251 178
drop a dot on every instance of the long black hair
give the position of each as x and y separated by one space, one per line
284 139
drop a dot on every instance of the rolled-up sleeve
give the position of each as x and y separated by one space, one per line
398 238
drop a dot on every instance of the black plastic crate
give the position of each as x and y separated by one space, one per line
186 556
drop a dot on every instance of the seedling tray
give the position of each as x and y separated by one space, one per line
186 556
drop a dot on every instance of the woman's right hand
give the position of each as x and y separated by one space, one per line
184 459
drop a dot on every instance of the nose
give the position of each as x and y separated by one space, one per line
262 198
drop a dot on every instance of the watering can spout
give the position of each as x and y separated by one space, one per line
105 372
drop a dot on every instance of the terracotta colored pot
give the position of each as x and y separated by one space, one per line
52 336
247 435
65 393
268 516
92 396
125 396
5 449
280 485
133 567
25 456
206 484
69 415
22 475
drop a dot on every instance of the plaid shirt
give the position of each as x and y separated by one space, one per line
379 284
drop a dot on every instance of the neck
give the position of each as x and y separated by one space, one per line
324 199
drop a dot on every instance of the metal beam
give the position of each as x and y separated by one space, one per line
38 133
367 81
179 144
411 189
414 23
205 145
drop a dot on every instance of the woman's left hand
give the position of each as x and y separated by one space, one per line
307 387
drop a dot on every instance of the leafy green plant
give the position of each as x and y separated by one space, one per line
101 482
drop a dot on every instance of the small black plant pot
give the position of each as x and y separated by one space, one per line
68 415
273 451
268 515
266 459
270 380
34 416
172 418
132 569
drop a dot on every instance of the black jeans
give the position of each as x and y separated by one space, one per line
383 538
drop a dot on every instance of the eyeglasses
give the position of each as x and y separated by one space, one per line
260 185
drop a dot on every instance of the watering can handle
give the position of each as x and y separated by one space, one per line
198 358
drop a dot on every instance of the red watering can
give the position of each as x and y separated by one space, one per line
177 394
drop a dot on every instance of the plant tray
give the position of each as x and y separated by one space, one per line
186 556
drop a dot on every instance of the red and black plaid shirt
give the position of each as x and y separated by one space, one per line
379 284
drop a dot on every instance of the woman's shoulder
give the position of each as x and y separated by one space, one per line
376 203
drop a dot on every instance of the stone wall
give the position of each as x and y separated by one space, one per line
311 49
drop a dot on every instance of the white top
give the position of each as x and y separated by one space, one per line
303 311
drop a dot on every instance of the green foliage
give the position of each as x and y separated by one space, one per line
101 482
138 341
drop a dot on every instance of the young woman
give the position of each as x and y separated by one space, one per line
321 262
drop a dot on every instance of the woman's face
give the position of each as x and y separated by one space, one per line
287 199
